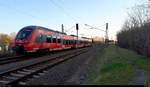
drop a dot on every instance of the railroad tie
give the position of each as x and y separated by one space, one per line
36 76
22 72
22 83
27 70
45 71
41 73
17 74
4 81
10 77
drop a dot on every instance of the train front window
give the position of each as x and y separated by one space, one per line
23 34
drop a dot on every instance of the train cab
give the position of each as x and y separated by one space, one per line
23 39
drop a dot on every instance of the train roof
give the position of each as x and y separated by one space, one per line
37 27
74 35
86 38
33 27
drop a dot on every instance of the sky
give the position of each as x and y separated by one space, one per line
16 14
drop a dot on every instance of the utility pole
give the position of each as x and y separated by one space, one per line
77 28
62 27
106 37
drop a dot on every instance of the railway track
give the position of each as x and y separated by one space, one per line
13 59
6 55
21 74
7 60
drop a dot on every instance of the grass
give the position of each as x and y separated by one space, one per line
116 66
143 64
116 73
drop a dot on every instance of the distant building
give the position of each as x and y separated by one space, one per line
98 39
111 42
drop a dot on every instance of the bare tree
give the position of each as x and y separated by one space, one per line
135 33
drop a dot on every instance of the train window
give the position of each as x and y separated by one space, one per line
38 38
64 42
75 42
67 42
59 40
54 40
70 42
23 34
41 38
44 37
48 39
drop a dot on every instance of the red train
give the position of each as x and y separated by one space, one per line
35 38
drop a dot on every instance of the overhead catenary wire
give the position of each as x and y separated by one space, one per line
74 18
91 27
69 29
30 15
63 10
19 11
61 1
102 25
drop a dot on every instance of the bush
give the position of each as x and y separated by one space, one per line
135 33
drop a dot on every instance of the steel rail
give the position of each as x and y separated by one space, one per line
12 77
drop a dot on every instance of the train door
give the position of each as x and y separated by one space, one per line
54 42
40 39
44 44
62 42
49 41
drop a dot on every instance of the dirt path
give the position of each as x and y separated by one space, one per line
83 72
140 78
72 72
